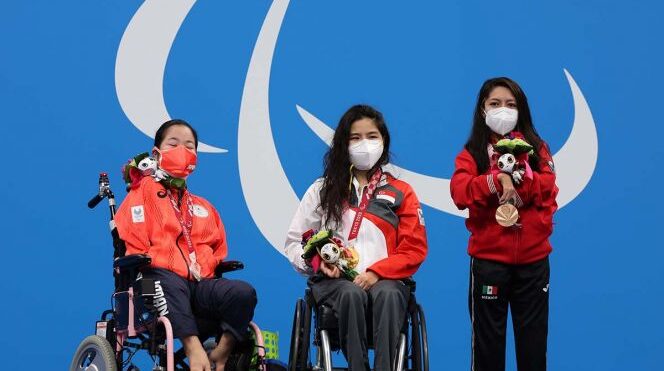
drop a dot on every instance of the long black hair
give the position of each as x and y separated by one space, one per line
336 163
161 132
480 134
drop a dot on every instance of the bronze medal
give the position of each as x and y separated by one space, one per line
195 270
507 215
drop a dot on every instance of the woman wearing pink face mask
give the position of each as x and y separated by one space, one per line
184 236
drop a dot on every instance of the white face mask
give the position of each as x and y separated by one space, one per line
365 153
502 120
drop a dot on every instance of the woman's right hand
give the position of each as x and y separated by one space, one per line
509 193
331 271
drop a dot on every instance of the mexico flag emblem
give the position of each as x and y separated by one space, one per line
489 290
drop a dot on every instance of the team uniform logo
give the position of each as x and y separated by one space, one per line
388 196
420 216
489 292
159 299
200 211
137 214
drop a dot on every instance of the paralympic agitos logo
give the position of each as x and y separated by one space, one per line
139 75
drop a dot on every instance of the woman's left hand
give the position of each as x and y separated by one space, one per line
509 193
366 280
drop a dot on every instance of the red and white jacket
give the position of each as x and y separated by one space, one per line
391 241
526 242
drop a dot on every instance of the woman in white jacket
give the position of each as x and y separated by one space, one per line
380 216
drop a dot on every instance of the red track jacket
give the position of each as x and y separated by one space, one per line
147 223
524 243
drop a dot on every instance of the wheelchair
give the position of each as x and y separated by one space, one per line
134 322
413 348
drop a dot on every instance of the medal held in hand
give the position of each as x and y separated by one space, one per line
507 215
510 156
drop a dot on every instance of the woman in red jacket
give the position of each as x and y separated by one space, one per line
380 216
511 201
184 236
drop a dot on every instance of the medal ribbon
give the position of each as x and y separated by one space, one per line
186 222
364 203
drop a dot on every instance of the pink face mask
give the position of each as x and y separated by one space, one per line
178 162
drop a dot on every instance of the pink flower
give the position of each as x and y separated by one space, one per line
517 135
135 175
307 235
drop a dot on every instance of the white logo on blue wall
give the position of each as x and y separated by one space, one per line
139 80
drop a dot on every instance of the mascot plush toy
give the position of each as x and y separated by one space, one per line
143 165
511 156
323 246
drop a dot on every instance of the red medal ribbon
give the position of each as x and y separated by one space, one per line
364 203
186 222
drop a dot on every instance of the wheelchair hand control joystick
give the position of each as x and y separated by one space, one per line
104 191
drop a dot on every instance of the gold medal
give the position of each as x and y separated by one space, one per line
507 215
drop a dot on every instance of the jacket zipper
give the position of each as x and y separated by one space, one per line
517 239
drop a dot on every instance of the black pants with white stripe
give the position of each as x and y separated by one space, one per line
525 290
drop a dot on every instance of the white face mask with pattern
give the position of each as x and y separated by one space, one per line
501 120
365 153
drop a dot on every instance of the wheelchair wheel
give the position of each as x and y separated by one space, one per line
94 354
420 343
299 347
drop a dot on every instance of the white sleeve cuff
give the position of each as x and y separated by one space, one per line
492 185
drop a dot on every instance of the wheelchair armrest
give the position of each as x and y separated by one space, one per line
132 262
228 266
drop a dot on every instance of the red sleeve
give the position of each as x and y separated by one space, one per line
220 249
467 187
132 221
541 191
411 241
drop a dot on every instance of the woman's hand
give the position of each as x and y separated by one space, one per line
366 280
331 271
509 193
198 358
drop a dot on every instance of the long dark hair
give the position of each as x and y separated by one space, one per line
336 163
480 134
161 132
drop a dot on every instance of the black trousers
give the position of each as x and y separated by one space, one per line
525 289
204 308
386 303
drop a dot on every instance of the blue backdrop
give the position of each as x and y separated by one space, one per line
66 98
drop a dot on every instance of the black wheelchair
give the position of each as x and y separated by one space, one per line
413 348
134 322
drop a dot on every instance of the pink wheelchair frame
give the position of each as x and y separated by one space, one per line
132 331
